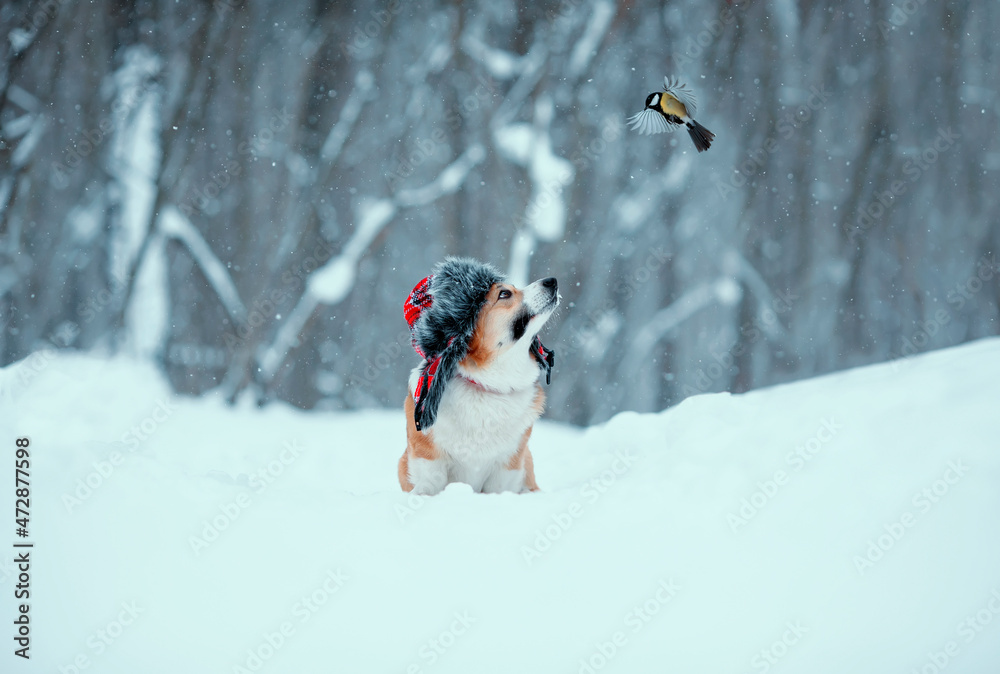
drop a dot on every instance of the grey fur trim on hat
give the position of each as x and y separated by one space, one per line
459 288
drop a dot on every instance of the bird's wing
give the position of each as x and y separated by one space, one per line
649 122
675 88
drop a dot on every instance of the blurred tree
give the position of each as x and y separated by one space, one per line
246 191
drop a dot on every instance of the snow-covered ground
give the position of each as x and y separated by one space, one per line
849 523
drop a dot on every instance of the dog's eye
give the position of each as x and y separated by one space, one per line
504 294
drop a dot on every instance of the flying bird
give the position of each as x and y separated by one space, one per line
668 109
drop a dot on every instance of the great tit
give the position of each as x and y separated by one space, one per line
666 110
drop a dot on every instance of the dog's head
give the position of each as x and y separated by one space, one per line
508 321
468 319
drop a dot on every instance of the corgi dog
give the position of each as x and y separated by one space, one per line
477 393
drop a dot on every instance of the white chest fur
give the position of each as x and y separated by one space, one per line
477 431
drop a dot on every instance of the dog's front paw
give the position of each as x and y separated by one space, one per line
428 477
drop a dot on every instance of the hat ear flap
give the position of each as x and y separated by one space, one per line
546 358
434 377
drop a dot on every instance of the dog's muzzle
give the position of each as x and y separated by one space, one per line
542 296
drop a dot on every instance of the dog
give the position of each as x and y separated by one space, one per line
476 394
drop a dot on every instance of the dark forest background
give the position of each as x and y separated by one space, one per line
246 192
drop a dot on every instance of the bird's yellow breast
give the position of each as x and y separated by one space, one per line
671 106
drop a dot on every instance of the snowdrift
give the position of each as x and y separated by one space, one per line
843 524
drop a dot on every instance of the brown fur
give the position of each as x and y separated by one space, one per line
493 322
418 444
523 460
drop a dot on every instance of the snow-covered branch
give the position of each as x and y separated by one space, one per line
550 174
586 47
451 178
633 210
722 290
501 64
735 264
334 281
339 133
531 72
175 224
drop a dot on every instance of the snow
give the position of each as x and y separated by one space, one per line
336 280
867 542
17 127
515 142
24 98
20 39
85 222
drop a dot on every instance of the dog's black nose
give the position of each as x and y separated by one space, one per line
550 283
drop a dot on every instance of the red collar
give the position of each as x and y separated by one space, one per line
476 384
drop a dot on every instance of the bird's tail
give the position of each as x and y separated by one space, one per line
701 136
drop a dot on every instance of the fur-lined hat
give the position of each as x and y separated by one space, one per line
442 311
